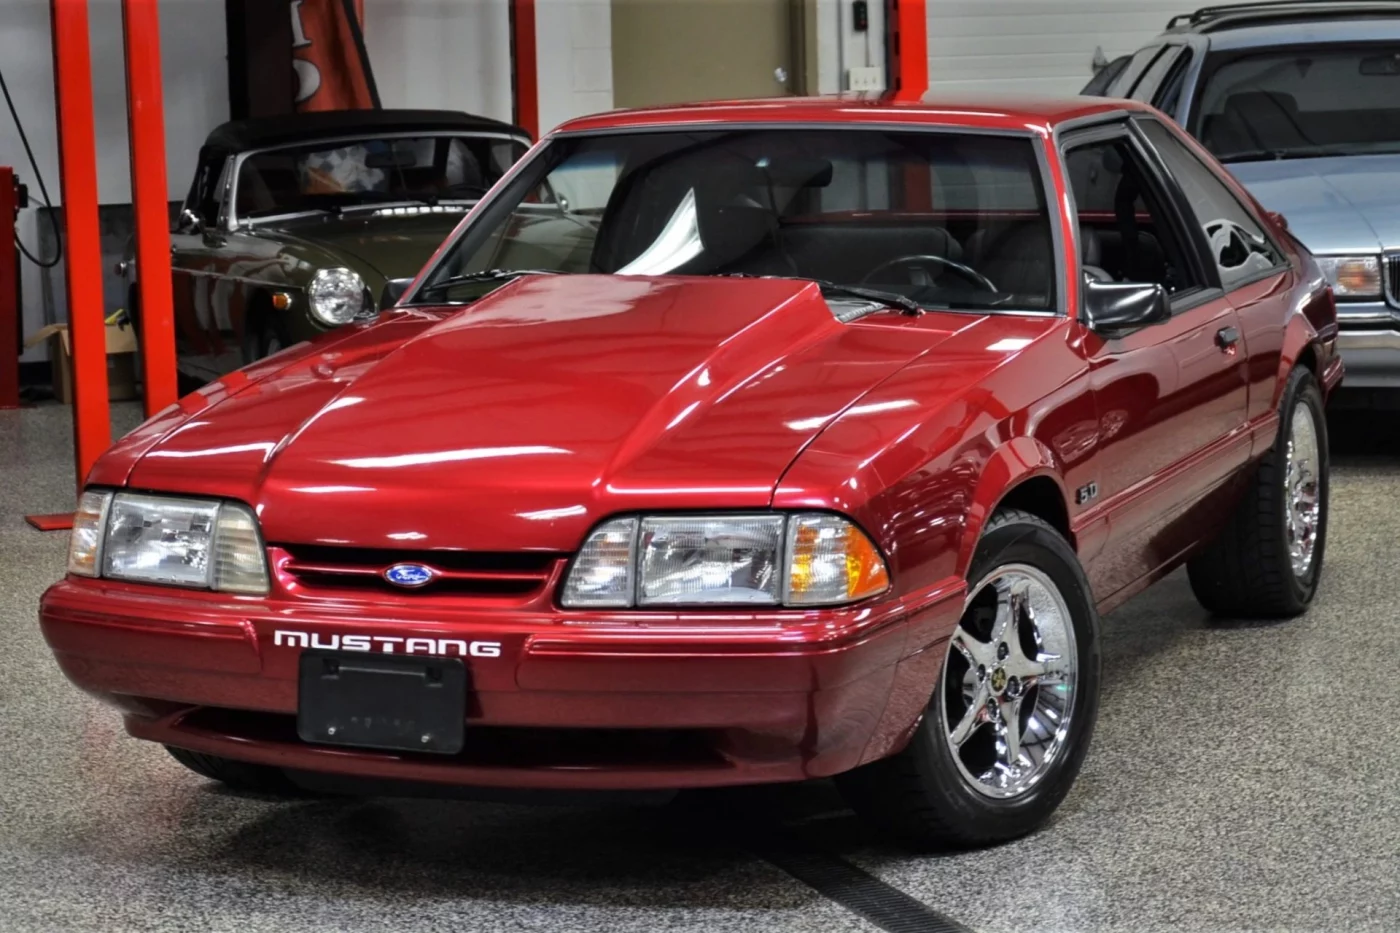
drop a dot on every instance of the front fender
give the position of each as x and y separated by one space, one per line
1013 463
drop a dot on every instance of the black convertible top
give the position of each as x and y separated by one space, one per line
257 132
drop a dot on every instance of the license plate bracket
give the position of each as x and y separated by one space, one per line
389 702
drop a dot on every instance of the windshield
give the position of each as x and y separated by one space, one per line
950 220
371 170
1287 104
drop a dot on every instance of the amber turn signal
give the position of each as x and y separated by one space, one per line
831 561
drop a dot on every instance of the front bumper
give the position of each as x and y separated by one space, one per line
1369 342
568 701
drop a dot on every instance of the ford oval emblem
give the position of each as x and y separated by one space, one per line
409 575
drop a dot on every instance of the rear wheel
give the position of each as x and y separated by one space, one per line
1010 719
240 775
1267 561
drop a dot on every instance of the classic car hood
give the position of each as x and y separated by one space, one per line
1334 205
520 421
394 246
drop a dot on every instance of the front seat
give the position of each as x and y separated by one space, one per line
1091 255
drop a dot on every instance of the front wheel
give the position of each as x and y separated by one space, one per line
1010 719
239 775
1267 561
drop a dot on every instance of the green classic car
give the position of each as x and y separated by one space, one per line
294 224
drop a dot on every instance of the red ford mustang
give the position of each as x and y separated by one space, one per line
738 443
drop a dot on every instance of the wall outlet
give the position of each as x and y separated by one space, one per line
866 79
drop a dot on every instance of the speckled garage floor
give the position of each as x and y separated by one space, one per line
1242 778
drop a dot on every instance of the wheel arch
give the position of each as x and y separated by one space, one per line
1023 474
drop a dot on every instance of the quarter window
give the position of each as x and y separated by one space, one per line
1238 244
1151 80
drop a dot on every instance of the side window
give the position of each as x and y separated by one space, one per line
206 190
1241 249
1146 87
1100 83
1125 230
1128 76
1168 97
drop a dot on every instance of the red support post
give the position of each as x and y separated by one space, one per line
9 306
72 57
527 94
908 48
150 199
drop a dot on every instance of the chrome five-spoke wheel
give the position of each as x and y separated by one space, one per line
1302 489
1009 682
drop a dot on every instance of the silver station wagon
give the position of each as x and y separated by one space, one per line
1301 101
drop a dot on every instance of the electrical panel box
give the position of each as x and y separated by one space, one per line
866 79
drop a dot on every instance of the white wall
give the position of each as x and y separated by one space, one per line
196 99
450 54
573 48
1034 46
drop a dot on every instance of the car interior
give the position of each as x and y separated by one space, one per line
1123 233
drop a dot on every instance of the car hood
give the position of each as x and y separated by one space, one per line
520 421
394 246
1342 204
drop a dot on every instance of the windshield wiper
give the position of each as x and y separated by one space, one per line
485 275
892 300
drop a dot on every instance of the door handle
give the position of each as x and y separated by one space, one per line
1226 338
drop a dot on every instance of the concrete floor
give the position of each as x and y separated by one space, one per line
1242 778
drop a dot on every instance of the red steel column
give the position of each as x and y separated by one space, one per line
9 308
77 149
908 30
150 197
527 94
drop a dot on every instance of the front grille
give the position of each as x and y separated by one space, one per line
468 573
1390 272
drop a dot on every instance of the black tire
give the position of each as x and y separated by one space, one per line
921 795
240 775
1247 571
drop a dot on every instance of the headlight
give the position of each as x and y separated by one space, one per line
336 296
201 543
1352 276
734 560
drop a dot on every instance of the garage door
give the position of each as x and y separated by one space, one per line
1034 46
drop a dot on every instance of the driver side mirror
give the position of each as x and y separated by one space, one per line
393 291
1114 308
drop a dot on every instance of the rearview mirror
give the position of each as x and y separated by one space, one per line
1112 308
393 291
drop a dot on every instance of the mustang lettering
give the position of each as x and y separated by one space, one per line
446 647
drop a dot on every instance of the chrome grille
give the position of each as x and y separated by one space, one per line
465 573
1390 274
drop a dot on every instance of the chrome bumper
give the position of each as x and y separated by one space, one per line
1369 343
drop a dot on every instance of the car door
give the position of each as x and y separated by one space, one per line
1170 397
1254 271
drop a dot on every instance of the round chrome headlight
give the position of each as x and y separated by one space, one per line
336 296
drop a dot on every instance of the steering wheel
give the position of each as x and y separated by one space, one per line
918 264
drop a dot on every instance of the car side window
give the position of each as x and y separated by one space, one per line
1145 88
1128 76
1126 232
205 193
1168 97
1100 83
1241 249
